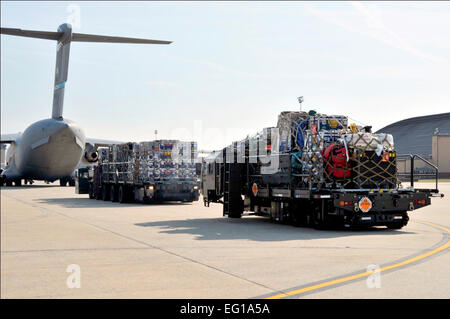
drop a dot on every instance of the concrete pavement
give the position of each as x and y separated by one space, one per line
190 251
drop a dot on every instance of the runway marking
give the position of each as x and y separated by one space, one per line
334 282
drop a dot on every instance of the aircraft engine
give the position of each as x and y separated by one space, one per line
90 154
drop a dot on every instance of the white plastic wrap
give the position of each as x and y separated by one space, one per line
370 141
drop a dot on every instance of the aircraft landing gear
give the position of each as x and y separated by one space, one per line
67 180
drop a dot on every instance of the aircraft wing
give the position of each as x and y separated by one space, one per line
9 138
97 142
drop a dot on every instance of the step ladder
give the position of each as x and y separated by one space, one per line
232 184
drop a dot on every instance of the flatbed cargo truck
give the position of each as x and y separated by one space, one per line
305 173
146 172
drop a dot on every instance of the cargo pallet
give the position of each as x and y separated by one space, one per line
116 190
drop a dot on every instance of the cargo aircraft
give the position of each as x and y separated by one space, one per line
52 148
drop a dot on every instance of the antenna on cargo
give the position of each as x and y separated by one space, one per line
300 101
156 135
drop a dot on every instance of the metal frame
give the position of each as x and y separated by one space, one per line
412 157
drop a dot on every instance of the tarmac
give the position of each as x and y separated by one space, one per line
54 241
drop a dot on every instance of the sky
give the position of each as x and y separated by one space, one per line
232 66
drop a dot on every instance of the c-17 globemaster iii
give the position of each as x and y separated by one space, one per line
51 149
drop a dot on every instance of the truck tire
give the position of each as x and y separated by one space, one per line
295 219
121 194
395 225
130 194
112 194
18 182
316 220
105 192
98 195
71 182
236 212
91 192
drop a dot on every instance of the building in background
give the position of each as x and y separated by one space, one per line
427 136
441 152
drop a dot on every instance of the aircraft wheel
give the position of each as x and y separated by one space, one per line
9 183
18 182
71 182
63 181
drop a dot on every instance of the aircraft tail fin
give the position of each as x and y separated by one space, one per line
64 36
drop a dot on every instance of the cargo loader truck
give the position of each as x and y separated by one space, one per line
316 170
156 171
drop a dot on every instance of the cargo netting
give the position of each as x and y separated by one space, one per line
326 152
149 161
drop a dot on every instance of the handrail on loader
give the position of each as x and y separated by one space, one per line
412 158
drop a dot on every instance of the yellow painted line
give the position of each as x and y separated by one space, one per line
367 273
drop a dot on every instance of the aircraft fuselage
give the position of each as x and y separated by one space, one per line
47 150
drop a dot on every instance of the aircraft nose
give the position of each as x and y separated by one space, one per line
51 149
69 133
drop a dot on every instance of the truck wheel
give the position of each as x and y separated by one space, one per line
71 182
18 182
316 220
235 214
395 225
105 193
121 194
91 192
112 194
98 195
295 219
130 194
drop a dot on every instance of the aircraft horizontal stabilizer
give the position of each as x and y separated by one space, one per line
78 37
32 34
81 37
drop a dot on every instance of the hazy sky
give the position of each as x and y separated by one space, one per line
232 68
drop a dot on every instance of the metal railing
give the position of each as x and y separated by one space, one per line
413 174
